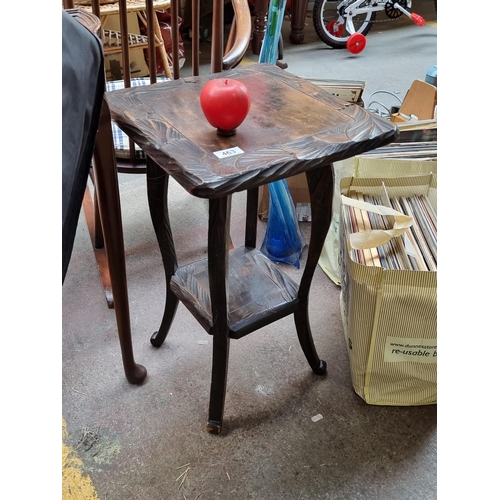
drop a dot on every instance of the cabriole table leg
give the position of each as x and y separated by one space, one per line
320 182
157 184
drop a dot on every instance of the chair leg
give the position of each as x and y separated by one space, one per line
92 217
98 236
108 196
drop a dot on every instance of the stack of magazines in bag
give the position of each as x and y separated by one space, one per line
416 249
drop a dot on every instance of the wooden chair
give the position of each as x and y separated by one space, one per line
236 45
112 39
102 212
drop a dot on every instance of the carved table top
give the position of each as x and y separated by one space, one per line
292 126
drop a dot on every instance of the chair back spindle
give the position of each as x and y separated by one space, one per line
115 42
133 161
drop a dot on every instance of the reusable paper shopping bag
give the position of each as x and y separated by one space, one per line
389 315
363 166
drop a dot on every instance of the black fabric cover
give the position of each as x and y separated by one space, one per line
83 83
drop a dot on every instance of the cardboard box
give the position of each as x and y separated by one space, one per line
418 104
298 189
347 90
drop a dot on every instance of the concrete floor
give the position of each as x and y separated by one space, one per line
270 448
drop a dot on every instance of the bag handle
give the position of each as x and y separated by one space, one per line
376 237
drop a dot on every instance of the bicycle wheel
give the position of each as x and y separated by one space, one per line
331 22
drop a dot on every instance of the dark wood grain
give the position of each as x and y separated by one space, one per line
292 126
259 291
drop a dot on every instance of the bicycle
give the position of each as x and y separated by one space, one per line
344 24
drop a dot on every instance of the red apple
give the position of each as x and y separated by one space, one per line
225 104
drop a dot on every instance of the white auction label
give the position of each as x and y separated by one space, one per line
224 153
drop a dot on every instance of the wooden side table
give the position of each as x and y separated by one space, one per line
292 127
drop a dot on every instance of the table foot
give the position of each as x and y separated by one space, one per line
306 341
296 36
157 340
171 304
321 370
135 373
320 182
214 427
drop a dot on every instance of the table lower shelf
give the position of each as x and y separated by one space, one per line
259 293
